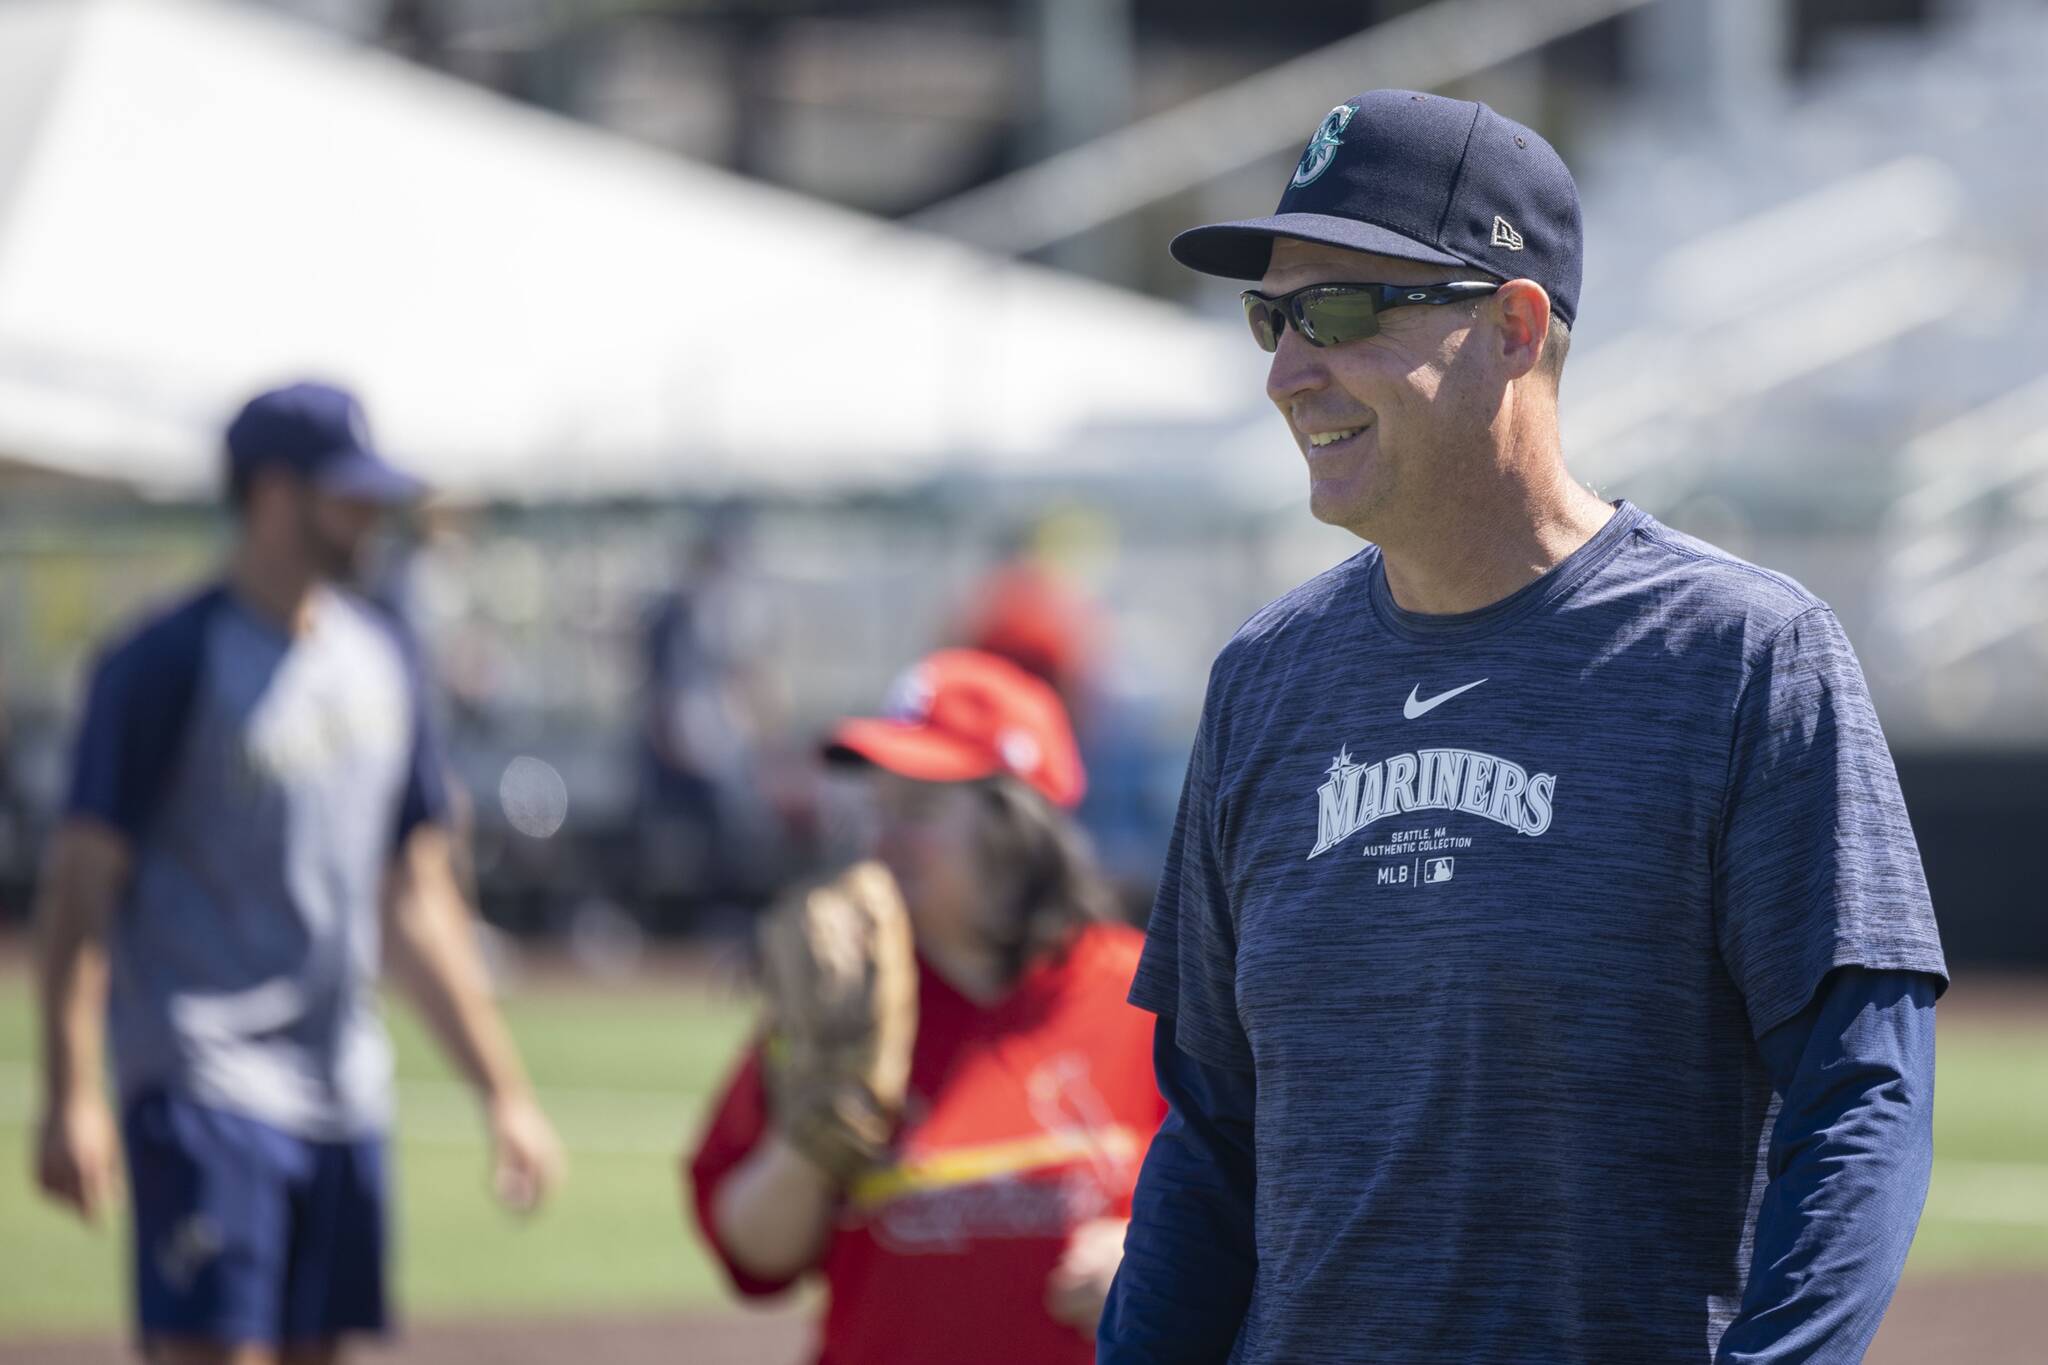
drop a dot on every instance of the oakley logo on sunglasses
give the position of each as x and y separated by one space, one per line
1322 147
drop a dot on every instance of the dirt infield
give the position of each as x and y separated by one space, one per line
1990 1320
1983 1320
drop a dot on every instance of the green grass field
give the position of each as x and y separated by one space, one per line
626 1074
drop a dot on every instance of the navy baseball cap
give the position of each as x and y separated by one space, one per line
1424 178
319 433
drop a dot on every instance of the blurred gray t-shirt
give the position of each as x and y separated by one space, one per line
1494 906
264 782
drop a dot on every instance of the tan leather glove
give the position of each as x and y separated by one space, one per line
840 975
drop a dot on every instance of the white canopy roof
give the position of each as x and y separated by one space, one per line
199 199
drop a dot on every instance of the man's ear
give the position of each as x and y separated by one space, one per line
1522 309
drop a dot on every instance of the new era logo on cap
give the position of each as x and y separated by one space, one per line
1505 235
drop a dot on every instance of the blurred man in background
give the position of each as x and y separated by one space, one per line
1033 609
1544 962
710 835
1040 608
257 812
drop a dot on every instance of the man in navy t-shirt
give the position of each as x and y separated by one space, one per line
257 813
1544 966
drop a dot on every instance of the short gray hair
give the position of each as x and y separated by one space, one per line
1556 346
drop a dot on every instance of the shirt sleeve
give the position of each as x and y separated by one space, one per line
137 704
736 1127
424 800
1816 866
1180 1295
1849 1163
1188 971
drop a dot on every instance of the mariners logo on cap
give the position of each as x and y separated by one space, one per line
1322 148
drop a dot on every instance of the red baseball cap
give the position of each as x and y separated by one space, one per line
961 715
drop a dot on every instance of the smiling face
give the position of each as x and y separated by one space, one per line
1391 424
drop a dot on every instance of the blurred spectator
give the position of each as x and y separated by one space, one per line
709 835
1033 609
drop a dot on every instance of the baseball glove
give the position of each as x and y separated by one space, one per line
840 977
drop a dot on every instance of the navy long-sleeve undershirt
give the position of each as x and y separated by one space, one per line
1849 1162
1188 1261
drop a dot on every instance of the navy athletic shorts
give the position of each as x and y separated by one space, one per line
245 1233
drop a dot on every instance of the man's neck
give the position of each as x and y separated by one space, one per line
1475 551
281 594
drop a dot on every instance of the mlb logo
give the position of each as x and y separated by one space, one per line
1437 870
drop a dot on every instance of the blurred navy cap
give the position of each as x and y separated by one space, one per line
319 433
1424 178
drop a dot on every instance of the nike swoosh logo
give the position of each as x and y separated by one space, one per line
1413 708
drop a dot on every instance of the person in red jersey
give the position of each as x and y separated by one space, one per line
994 1224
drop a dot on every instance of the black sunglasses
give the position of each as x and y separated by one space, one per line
1332 314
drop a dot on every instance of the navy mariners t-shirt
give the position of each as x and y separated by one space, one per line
1495 905
264 782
